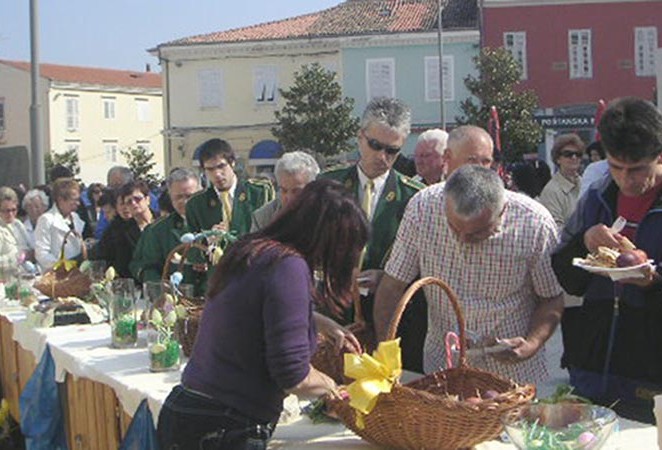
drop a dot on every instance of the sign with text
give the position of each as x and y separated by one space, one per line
570 121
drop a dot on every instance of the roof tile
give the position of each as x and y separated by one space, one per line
352 17
92 75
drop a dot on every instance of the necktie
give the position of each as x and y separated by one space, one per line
227 207
368 193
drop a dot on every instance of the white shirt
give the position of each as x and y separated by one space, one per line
379 184
49 235
231 191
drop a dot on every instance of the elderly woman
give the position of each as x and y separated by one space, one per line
561 193
54 224
35 203
258 332
14 238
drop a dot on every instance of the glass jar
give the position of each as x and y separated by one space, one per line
123 321
163 349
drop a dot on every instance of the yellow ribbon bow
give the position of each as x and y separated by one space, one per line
63 262
374 375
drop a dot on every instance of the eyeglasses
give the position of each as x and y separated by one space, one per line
135 199
9 211
378 146
96 191
570 154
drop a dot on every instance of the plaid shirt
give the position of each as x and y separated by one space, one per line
499 281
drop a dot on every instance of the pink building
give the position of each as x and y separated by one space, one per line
575 52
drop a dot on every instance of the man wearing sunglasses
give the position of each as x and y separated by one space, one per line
382 191
613 341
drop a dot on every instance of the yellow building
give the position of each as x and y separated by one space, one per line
97 112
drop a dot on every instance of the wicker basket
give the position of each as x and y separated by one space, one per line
423 414
327 359
186 329
62 283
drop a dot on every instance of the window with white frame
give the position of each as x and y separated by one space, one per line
645 45
432 78
111 150
380 78
2 114
580 54
265 84
210 89
108 107
72 113
515 43
143 110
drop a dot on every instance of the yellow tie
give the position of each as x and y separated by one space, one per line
368 192
227 207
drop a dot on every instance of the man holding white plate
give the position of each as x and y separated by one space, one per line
613 342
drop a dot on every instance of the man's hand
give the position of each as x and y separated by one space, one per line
650 278
222 226
369 279
601 235
520 349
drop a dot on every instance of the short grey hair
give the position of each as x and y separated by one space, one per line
293 163
391 112
35 193
434 134
8 194
181 174
125 172
466 132
474 189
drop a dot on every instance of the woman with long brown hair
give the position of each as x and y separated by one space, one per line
257 333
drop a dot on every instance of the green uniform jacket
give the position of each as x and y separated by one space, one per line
205 209
398 189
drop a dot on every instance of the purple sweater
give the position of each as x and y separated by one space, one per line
256 338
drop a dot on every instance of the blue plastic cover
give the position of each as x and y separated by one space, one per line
141 434
42 420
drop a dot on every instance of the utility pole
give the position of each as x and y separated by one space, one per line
442 106
36 136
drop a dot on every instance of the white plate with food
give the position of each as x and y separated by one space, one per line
615 273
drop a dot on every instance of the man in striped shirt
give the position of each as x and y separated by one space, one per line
493 248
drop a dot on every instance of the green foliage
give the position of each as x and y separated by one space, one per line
141 162
69 159
498 75
316 118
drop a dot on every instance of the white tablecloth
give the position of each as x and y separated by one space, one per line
84 351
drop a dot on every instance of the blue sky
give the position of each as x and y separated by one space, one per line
116 33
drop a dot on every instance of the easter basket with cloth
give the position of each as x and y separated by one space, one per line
430 412
328 359
187 326
65 278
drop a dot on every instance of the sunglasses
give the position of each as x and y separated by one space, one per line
378 146
135 199
570 154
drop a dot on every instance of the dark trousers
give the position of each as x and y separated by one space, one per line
193 421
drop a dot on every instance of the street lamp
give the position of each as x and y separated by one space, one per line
442 107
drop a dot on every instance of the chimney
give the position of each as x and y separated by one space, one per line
148 67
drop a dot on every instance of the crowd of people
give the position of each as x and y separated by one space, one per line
506 248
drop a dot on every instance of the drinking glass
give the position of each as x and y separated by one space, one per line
123 321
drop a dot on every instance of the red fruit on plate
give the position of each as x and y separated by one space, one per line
629 258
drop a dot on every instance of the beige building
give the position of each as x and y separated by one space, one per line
97 112
229 89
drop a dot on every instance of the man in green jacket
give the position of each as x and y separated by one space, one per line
383 194
159 238
228 203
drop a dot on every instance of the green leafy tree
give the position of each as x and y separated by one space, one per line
68 159
316 117
141 162
498 76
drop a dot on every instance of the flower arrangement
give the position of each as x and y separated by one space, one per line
217 240
164 349
101 290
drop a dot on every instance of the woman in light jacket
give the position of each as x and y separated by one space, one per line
54 224
13 237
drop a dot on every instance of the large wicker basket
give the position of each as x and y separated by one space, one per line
426 413
186 329
62 283
327 359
